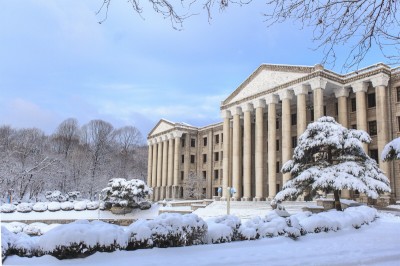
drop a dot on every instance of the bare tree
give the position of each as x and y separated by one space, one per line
359 24
193 186
97 136
66 136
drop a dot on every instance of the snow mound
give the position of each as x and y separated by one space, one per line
80 205
7 208
67 206
40 207
53 206
24 207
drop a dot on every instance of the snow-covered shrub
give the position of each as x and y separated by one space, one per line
14 227
74 195
139 235
122 193
7 238
82 238
24 207
7 208
55 196
67 206
25 245
80 205
34 229
40 207
92 205
223 229
175 230
53 206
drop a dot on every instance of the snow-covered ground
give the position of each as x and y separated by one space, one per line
374 244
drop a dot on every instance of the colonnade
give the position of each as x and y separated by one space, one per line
163 165
237 159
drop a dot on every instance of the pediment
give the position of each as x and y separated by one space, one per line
162 126
267 77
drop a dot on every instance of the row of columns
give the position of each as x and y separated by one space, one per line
232 177
163 165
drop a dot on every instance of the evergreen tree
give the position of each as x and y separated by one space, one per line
391 151
330 157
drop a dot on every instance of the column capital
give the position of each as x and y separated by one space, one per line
318 83
177 134
340 92
164 138
380 80
159 139
226 114
149 142
259 103
237 110
271 98
301 89
286 94
247 107
360 86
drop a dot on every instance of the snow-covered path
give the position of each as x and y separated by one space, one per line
374 244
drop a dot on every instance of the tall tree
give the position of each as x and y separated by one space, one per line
391 151
358 24
66 136
330 157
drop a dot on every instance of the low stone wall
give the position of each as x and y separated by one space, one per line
123 222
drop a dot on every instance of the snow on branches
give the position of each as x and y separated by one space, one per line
330 157
391 151
120 192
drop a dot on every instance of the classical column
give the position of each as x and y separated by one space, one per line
318 85
360 90
342 94
247 109
159 168
236 150
226 115
164 167
149 162
154 170
259 105
177 136
286 97
170 166
380 84
301 93
271 101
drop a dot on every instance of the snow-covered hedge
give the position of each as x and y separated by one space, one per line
40 207
7 208
83 238
24 207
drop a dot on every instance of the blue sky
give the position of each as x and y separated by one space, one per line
58 62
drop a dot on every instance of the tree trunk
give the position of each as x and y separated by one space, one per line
338 206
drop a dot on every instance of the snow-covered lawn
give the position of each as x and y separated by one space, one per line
374 244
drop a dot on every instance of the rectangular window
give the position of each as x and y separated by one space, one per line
216 156
277 167
277 123
277 187
312 114
324 110
192 143
222 137
216 139
215 191
204 174
371 100
398 124
277 145
183 142
372 128
182 158
398 93
204 158
204 191
354 126
182 175
192 158
216 176
293 119
205 141
373 154
353 104
336 108
294 142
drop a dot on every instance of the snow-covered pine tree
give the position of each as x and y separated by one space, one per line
126 193
391 151
330 157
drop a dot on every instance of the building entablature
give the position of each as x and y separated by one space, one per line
319 78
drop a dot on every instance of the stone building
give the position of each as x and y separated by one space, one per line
261 121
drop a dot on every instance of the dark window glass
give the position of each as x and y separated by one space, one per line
294 142
277 145
294 119
192 143
183 158
277 167
216 176
353 104
371 100
374 154
372 128
216 139
398 93
205 141
192 158
204 158
216 156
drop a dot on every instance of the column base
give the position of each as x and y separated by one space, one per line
222 199
245 199
258 199
235 199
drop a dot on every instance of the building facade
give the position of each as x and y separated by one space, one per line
261 121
